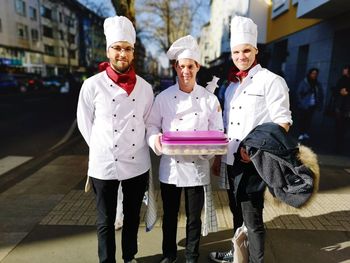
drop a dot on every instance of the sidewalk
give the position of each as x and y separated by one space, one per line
47 217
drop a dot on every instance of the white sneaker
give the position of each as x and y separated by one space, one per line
222 257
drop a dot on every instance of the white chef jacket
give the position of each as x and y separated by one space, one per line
113 125
261 97
175 110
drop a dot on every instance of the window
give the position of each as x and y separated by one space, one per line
47 31
62 52
279 7
72 54
49 50
302 59
32 13
61 34
46 12
69 21
22 31
71 38
20 7
35 35
0 25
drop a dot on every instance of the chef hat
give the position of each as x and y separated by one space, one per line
119 28
243 31
184 47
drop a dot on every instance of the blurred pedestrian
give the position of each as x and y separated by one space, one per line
342 106
185 106
309 98
112 110
255 96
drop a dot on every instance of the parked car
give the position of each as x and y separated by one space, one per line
20 82
56 84
8 84
28 82
35 83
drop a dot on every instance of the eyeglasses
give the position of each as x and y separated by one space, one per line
127 50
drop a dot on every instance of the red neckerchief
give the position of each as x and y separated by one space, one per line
126 80
236 75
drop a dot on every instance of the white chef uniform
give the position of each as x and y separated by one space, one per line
261 97
112 124
175 110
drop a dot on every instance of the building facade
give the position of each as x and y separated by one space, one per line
305 34
49 37
215 35
293 36
21 47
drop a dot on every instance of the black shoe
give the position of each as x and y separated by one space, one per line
168 260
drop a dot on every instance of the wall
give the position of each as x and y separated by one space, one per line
286 24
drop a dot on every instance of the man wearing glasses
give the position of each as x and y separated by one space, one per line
112 109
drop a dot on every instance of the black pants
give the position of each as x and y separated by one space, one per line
305 120
249 206
341 129
106 192
236 210
194 201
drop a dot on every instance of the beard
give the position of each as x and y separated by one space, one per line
121 66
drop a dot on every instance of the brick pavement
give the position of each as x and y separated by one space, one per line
330 210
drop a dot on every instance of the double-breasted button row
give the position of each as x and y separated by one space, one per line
115 115
239 107
131 158
232 123
179 161
114 100
193 129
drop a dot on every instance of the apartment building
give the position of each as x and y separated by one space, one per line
20 35
49 37
59 36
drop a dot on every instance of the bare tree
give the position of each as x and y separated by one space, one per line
164 21
125 8
100 8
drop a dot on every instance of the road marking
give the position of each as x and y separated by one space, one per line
67 135
9 162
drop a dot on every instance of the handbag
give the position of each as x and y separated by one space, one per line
240 245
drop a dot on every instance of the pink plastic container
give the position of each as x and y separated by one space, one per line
194 143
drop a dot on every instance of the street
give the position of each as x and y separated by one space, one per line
30 124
